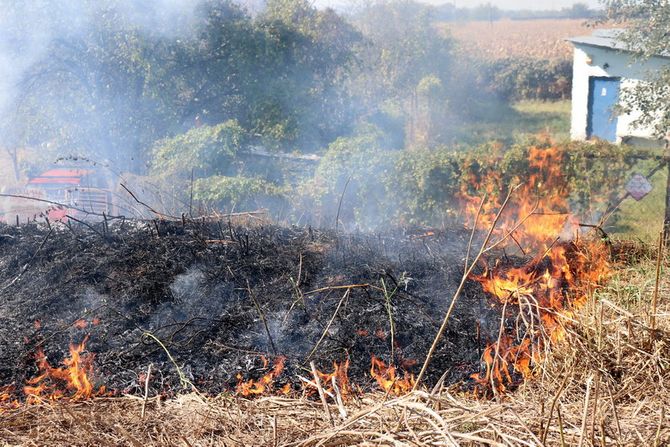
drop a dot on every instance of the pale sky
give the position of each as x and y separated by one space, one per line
502 4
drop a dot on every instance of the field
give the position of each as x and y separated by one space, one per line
540 39
515 122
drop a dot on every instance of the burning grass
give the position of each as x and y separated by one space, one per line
605 384
531 325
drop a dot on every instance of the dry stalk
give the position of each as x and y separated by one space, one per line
585 411
317 381
146 391
275 433
338 399
661 418
615 412
389 311
554 401
560 425
262 315
330 322
464 279
654 299
594 408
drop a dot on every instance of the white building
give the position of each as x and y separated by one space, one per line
602 69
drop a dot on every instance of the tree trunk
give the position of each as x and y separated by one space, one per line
14 155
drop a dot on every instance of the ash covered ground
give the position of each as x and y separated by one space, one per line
204 288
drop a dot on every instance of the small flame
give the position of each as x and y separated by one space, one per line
265 384
72 380
341 375
389 380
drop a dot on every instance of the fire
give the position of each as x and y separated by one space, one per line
7 400
265 384
340 376
72 380
556 281
542 213
389 380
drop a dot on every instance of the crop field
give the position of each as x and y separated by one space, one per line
541 39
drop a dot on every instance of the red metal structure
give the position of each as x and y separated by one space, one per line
60 192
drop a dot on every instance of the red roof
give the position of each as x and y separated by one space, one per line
61 176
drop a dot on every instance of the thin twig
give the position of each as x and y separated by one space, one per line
325 332
339 205
262 315
464 279
317 381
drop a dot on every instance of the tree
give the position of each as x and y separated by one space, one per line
580 11
647 35
402 48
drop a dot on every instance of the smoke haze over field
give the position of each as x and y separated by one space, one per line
199 99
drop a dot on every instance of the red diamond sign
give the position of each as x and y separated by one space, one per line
638 187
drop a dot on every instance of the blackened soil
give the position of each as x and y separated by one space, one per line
193 286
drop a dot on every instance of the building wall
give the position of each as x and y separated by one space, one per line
606 62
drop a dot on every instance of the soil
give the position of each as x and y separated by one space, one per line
221 297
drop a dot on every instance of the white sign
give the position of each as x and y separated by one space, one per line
638 187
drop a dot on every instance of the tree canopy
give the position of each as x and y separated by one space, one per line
647 24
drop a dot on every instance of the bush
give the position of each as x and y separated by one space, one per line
239 192
535 79
205 149
426 187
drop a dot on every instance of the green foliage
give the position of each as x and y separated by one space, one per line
238 192
349 171
646 35
422 186
206 149
526 79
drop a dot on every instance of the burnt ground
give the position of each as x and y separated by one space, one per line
193 284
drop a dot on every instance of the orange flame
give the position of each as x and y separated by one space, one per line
6 398
265 384
341 376
389 380
72 380
549 287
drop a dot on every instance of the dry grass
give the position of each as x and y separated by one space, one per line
607 384
541 39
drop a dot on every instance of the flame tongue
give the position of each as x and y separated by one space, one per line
550 286
265 384
340 376
72 380
388 378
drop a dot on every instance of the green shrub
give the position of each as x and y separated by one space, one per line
242 193
424 186
205 149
